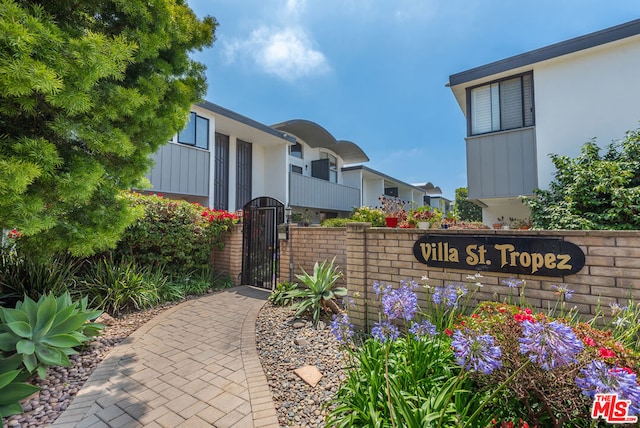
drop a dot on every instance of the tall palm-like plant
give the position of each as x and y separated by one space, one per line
319 292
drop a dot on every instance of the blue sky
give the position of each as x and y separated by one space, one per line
374 71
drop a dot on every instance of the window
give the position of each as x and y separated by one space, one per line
296 150
243 173
501 105
221 176
297 169
196 133
333 166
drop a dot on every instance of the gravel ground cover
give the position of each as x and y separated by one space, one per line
284 344
63 383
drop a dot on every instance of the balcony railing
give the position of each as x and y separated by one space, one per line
316 193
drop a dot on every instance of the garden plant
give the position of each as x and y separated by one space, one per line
496 364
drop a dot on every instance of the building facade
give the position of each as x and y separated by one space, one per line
552 100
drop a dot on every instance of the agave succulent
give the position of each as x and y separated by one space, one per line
45 332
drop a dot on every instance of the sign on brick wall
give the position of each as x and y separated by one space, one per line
509 254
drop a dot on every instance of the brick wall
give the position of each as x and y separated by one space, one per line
366 255
229 259
307 245
610 274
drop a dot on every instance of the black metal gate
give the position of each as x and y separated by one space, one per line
260 245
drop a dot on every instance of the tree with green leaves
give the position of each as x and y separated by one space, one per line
592 191
88 90
464 208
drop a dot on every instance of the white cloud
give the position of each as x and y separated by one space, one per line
287 53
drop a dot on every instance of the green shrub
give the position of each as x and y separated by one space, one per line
25 276
336 222
176 234
319 291
375 216
45 332
280 296
118 286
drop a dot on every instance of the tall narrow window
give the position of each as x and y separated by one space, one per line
221 177
502 105
243 173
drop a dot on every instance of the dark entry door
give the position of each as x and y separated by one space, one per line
260 245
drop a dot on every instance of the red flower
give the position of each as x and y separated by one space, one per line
448 332
14 234
589 341
528 312
606 353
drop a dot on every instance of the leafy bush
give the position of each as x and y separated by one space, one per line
25 276
375 216
280 296
116 286
319 291
336 222
175 234
45 332
465 209
592 191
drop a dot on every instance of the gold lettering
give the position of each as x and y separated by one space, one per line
550 261
537 261
525 259
472 258
513 258
503 248
563 260
453 255
426 251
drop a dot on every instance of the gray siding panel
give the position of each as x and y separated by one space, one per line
316 193
502 164
180 169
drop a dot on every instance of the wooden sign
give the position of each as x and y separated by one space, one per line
509 254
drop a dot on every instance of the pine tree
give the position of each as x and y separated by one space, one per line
88 89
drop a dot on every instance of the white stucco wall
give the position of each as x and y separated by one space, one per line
591 93
270 172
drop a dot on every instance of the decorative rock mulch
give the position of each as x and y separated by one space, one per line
286 344
63 383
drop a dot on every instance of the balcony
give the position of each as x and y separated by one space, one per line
321 194
502 164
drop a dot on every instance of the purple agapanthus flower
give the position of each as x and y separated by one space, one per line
562 289
550 345
475 351
449 294
400 304
341 328
512 282
600 378
423 329
385 331
381 288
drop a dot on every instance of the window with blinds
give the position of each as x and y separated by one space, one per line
502 105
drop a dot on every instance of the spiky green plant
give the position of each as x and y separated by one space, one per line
320 290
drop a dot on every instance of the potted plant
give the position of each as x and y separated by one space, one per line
499 223
422 215
393 209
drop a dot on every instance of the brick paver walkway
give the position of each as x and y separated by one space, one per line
194 365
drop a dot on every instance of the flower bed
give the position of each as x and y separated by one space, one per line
500 364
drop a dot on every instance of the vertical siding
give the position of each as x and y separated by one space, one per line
502 164
180 169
